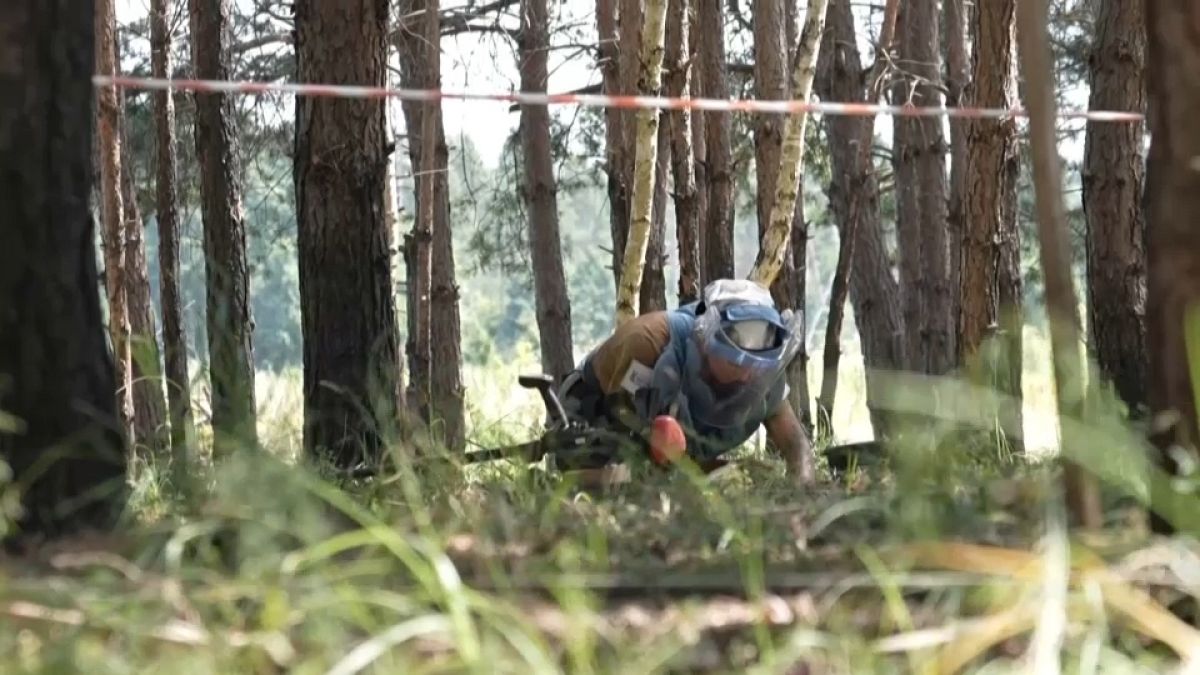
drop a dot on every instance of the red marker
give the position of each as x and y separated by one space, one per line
667 442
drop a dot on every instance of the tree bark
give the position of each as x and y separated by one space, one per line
420 65
699 143
541 202
717 227
645 156
770 84
108 109
614 147
1173 247
1113 180
958 76
449 395
920 162
1082 489
991 269
772 51
775 240
59 376
678 82
227 276
652 296
175 355
348 316
418 244
149 407
854 200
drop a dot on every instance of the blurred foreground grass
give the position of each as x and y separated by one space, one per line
508 569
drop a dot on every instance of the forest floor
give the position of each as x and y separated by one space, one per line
512 570
957 562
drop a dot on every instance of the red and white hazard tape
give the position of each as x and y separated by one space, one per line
595 100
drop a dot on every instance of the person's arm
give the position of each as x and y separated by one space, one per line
625 362
786 434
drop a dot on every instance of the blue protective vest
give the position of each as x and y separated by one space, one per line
677 388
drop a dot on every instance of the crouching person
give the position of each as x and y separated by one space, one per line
716 366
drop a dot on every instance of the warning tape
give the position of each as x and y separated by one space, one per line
596 100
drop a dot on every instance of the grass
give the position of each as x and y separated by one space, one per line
954 564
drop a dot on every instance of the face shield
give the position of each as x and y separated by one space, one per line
743 347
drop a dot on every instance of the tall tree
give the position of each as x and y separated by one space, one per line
770 84
151 432
779 160
652 296
109 119
678 81
418 244
776 238
954 20
227 276
646 140
717 226
167 215
420 65
59 377
1173 242
1082 490
1113 177
854 200
348 316
991 265
695 51
919 158
614 146
541 202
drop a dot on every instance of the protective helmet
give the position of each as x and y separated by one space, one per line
737 322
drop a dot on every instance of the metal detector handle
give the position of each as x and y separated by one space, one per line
545 386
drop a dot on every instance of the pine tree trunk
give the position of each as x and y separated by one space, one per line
1113 178
699 140
1173 248
227 276
774 248
652 296
846 245
348 316
958 67
653 293
541 201
854 200
908 201
677 82
794 276
921 195
418 244
449 395
149 407
717 226
108 110
175 355
421 68
794 279
771 55
645 163
626 67
991 270
58 373
770 84
1037 63
614 143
